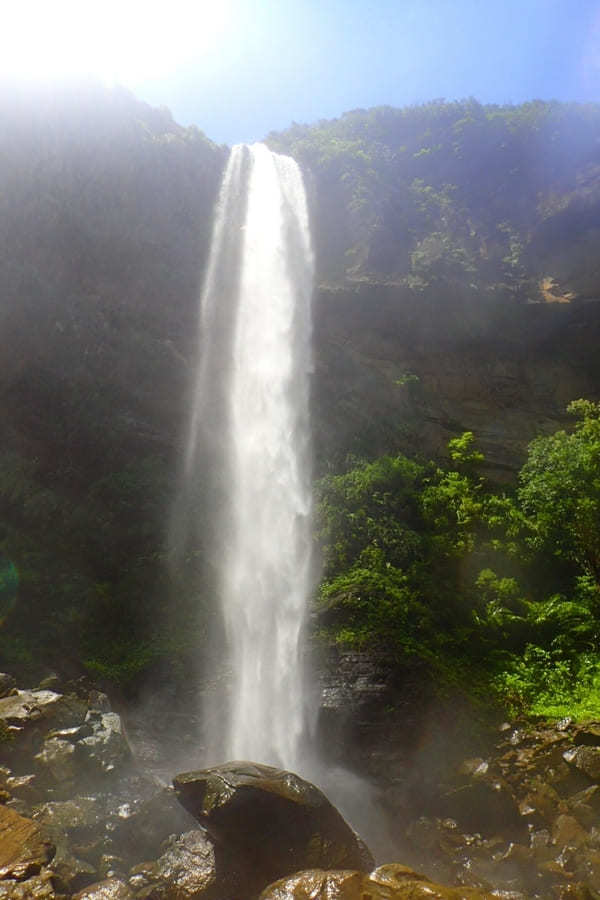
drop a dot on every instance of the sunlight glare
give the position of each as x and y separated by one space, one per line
117 40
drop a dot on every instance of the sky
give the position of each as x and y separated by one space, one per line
239 69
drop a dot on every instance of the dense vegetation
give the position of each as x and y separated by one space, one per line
455 192
497 592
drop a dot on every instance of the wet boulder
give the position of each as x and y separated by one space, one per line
317 883
76 821
77 828
70 868
484 805
541 804
54 710
391 882
55 764
402 883
109 889
39 887
567 832
185 871
70 873
27 716
139 829
106 748
23 848
587 760
272 822
72 758
585 805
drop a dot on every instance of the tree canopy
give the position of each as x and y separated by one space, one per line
431 561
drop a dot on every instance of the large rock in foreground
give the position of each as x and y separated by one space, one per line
391 882
272 821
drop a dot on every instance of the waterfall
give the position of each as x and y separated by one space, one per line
248 455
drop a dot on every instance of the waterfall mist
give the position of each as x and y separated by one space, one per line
248 459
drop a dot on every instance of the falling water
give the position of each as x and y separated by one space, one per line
250 445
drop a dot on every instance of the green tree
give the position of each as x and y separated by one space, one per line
373 505
370 532
559 492
452 503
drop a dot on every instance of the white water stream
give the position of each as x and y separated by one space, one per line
252 413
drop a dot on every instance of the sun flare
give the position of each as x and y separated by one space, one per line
114 40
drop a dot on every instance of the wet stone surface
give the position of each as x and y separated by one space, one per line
78 819
274 822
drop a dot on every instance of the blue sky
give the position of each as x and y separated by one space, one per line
303 60
241 68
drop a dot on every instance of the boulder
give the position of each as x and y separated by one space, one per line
405 884
585 805
317 883
76 819
23 787
567 832
484 805
99 701
106 747
23 849
37 888
272 822
70 873
27 716
110 889
140 829
541 803
7 683
185 871
56 710
55 762
77 829
587 760
390 882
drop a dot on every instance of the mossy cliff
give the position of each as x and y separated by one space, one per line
107 215
458 270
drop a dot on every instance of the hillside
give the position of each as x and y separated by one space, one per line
106 216
456 245
457 287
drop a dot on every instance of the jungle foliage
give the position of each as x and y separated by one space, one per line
449 191
432 562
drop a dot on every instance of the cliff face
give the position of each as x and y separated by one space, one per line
408 372
106 216
458 278
106 219
457 257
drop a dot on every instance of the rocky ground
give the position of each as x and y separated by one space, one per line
525 820
79 818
